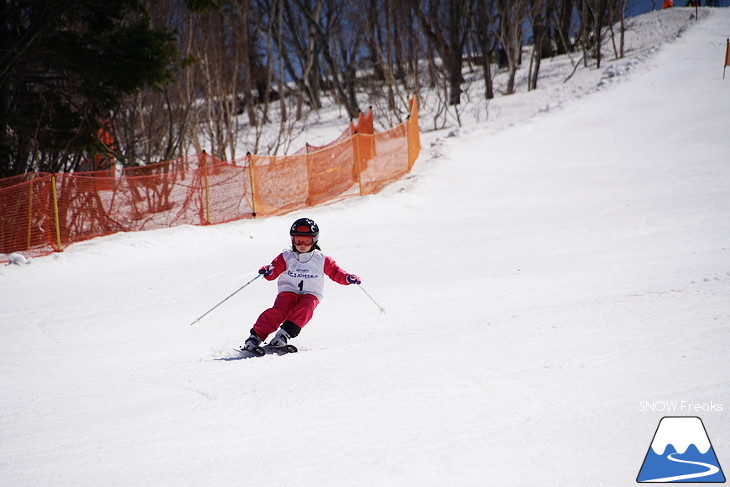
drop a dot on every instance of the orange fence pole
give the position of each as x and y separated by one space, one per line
249 163
30 211
356 143
413 133
727 58
55 213
206 188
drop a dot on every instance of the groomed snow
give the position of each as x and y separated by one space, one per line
543 274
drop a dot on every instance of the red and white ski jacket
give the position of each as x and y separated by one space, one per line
304 273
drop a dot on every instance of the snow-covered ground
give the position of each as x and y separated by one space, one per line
545 281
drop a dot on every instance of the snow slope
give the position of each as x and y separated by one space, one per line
541 279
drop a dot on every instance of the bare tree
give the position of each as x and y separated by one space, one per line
599 12
155 125
484 28
446 24
248 63
596 18
540 18
298 49
512 14
339 47
218 44
394 47
617 15
561 35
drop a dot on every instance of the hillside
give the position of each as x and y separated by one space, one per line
544 271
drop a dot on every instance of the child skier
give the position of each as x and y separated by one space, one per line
301 272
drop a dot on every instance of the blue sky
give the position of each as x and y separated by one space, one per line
636 7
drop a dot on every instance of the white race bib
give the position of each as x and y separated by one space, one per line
305 276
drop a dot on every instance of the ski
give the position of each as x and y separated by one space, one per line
266 350
256 352
281 350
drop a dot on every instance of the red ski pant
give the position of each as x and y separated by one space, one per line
297 308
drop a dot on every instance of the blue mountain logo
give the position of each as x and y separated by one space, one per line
681 452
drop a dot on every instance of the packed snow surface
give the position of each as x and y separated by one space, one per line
549 273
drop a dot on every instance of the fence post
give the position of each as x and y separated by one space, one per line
207 193
308 161
408 142
30 209
412 129
55 213
249 163
356 142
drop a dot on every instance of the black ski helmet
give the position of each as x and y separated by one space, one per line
305 227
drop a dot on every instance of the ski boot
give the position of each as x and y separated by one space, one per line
252 347
280 344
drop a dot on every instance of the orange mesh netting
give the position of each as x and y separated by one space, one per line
41 213
26 216
364 125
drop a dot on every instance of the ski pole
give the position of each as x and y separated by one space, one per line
229 297
382 310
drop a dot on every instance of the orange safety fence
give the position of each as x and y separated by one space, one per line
364 125
41 213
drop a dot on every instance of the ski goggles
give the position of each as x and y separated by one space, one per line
302 240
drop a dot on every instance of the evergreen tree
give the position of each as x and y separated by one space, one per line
64 65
